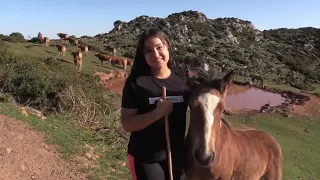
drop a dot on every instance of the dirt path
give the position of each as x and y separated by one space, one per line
25 155
310 108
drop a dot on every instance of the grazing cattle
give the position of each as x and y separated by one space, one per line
73 40
61 49
215 150
77 59
130 62
258 78
47 41
62 36
84 49
110 48
115 60
40 37
103 57
241 72
119 61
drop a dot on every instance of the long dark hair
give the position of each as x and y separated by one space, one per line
140 66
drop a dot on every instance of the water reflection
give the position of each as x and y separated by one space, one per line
251 98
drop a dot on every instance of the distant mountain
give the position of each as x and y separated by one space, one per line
290 56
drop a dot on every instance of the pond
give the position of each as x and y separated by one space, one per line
239 97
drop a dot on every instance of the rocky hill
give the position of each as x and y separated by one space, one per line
290 56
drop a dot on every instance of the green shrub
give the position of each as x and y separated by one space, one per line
14 37
40 82
6 98
30 80
317 94
129 54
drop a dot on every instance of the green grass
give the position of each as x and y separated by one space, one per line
301 149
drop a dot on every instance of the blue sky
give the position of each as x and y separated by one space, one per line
85 17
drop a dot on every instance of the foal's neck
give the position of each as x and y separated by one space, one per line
224 136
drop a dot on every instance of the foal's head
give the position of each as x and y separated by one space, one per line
207 103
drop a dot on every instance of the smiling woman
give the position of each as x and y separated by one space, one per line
157 56
143 110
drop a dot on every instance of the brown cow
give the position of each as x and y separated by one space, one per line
63 36
73 40
130 62
103 57
47 41
258 78
62 49
40 37
84 48
110 48
77 59
120 61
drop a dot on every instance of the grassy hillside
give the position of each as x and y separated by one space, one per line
284 56
33 75
90 62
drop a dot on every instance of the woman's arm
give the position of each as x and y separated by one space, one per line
131 121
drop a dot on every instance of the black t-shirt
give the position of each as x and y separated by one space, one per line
149 144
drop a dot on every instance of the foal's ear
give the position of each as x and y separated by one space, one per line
226 80
190 74
192 81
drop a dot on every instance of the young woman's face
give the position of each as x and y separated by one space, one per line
156 53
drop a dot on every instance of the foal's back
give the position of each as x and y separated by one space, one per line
258 149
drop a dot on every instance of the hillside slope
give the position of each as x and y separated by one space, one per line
289 56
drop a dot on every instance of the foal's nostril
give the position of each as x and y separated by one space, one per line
203 157
199 153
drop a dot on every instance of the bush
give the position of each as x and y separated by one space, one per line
30 80
129 54
14 37
304 86
41 83
6 98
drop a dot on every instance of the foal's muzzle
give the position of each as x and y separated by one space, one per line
202 157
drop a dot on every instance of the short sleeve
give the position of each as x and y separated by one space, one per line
129 95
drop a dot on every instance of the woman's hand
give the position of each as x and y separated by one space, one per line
164 107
